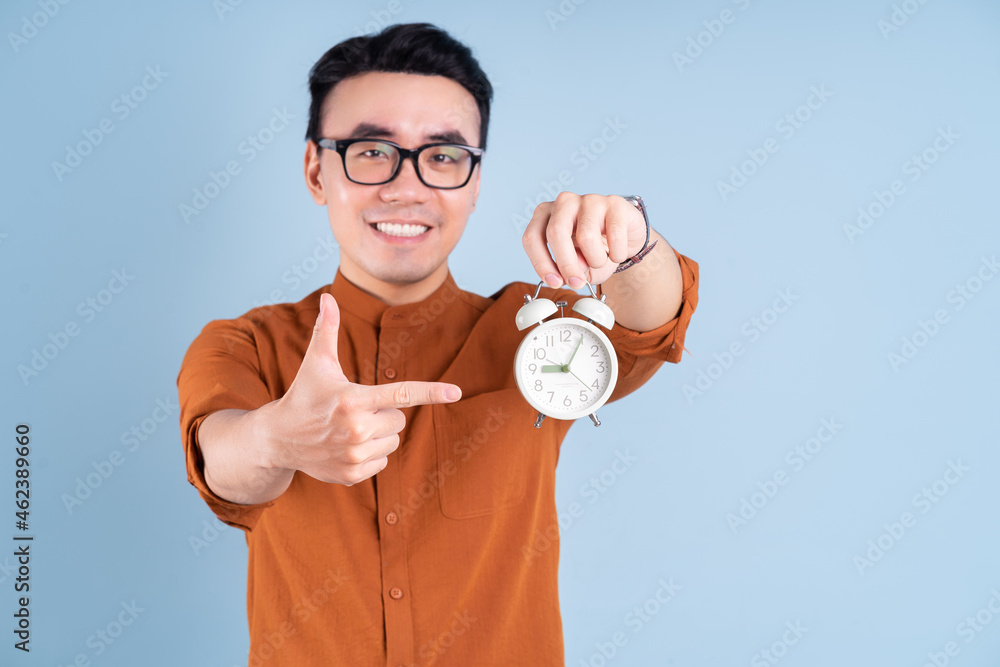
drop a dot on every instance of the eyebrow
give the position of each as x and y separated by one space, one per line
364 130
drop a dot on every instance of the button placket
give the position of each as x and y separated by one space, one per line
398 615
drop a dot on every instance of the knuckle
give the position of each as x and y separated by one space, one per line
354 434
587 234
402 394
354 457
566 196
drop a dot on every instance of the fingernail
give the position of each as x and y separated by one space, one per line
321 305
575 283
453 393
552 280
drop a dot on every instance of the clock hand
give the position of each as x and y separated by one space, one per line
575 350
553 369
578 378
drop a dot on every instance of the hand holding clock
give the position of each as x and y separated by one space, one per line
587 236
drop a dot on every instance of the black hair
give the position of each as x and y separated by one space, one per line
410 48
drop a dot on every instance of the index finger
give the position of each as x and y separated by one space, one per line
409 393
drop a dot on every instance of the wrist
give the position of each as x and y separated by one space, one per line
636 256
264 451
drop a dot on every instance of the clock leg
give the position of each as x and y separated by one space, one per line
593 418
538 422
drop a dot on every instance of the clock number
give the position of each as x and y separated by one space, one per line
532 368
600 366
567 402
549 341
595 385
552 396
538 385
539 353
595 350
564 336
583 395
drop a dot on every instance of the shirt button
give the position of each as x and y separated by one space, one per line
395 593
391 518
390 373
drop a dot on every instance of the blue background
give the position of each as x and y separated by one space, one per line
706 435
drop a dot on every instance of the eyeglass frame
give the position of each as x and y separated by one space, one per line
341 146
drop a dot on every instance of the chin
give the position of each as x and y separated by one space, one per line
401 274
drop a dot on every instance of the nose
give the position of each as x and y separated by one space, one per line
406 187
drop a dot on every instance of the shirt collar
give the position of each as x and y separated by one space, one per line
352 299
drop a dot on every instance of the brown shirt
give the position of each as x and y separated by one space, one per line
450 555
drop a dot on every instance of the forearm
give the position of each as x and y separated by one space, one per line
647 295
234 448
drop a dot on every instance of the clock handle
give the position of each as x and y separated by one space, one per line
539 420
593 418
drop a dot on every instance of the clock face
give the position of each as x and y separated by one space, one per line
566 368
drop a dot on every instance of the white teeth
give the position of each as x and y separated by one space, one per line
394 229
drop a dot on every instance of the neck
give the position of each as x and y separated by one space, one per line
395 294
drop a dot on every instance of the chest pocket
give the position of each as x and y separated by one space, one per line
488 453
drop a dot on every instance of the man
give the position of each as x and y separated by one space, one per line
370 439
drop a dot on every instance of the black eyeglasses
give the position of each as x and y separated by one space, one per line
376 161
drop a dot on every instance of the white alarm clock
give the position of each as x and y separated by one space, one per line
566 368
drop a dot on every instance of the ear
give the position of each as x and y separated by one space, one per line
475 185
314 173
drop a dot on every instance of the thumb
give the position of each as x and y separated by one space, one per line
323 345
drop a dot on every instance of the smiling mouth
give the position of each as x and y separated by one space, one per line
403 230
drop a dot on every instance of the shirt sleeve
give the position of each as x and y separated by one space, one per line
640 354
221 370
666 342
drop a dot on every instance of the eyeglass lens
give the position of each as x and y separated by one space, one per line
374 162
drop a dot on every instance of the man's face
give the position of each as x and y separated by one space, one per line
377 253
